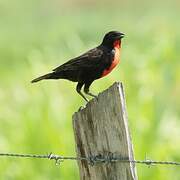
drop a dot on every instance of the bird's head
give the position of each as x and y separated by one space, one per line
111 38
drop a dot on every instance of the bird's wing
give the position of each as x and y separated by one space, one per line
88 59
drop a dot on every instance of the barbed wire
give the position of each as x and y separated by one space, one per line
92 160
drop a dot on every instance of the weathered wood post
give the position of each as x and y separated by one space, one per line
101 127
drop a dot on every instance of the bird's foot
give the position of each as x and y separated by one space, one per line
86 99
92 95
81 108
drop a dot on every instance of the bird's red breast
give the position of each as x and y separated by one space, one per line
115 61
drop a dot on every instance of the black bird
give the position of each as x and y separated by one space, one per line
92 65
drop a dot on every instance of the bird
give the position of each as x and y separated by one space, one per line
90 66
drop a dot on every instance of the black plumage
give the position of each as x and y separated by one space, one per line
87 67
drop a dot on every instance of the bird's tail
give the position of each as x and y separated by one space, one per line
46 76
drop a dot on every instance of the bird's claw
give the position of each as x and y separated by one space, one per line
81 108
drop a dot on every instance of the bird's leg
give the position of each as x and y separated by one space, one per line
86 89
78 89
90 94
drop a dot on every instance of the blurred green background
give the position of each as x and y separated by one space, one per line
38 35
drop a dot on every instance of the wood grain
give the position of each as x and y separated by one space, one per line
101 127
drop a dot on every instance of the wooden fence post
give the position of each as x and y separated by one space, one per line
101 127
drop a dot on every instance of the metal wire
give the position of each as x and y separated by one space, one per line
92 160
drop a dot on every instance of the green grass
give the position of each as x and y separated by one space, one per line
36 36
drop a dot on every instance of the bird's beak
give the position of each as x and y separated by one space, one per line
121 35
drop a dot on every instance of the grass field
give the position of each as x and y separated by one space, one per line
36 36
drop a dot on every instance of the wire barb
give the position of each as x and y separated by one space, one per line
58 159
92 160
